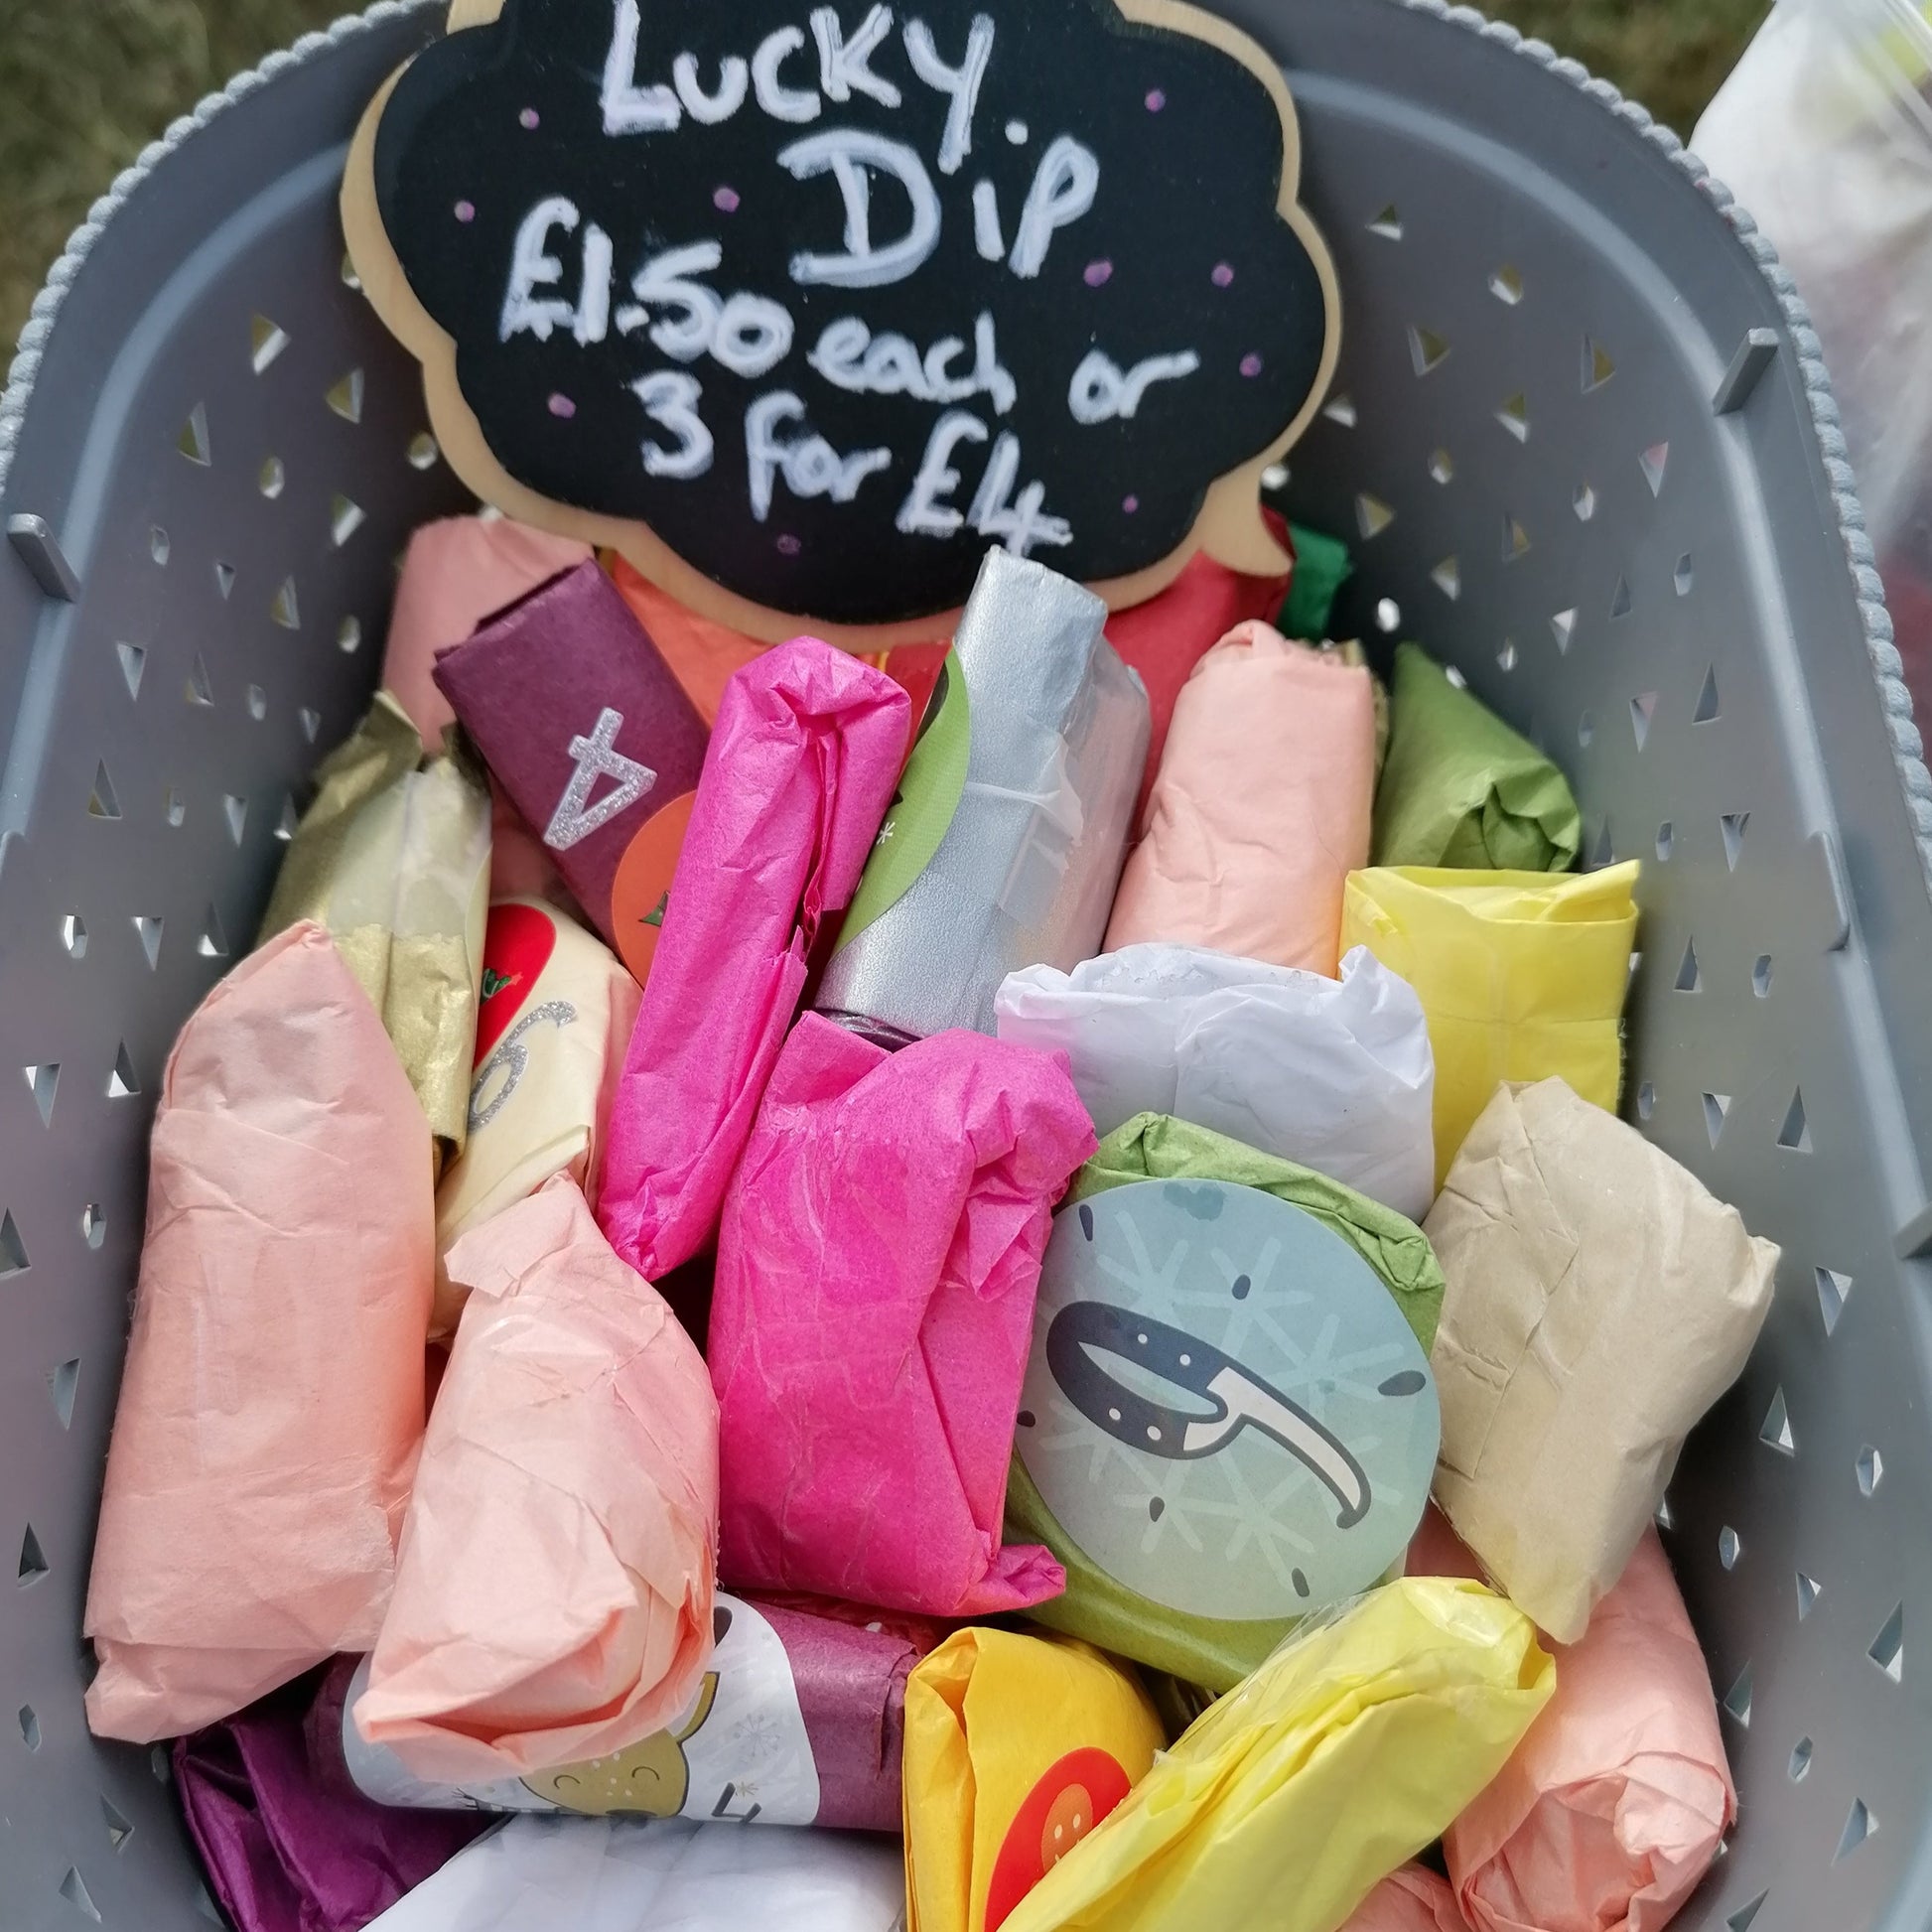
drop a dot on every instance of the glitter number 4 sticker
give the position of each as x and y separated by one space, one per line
597 756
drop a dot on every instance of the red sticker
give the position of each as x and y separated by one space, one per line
516 948
1070 1799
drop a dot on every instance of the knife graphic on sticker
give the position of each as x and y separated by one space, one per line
1084 1332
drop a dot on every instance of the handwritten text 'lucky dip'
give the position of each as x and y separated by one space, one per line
749 334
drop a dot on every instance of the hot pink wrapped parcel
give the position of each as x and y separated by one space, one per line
553 1596
872 1314
1613 1805
802 761
272 1405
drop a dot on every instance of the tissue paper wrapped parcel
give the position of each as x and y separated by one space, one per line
394 863
796 778
1016 1746
458 572
1599 1301
554 1583
593 740
558 1008
1335 1074
1004 842
1187 1447
876 1266
623 1875
289 1848
1351 1748
1260 809
799 1719
272 1404
1615 1803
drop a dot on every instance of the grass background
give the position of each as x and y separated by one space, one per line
84 85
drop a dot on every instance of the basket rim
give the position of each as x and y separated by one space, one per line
1860 558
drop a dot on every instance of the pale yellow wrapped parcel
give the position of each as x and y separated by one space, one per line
1600 1299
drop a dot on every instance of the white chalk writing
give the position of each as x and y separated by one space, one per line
892 222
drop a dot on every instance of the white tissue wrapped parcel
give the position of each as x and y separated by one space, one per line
1335 1074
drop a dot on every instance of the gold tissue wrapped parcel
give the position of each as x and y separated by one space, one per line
392 859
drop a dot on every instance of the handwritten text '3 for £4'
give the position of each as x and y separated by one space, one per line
789 80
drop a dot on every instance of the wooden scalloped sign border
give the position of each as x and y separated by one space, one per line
1229 528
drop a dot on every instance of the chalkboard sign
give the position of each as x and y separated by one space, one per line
803 306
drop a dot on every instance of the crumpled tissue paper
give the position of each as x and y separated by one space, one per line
553 1591
395 862
1522 975
1461 788
1353 1746
1600 1299
1261 808
801 769
872 1312
1614 1804
1335 1074
1409 1899
286 1847
272 1405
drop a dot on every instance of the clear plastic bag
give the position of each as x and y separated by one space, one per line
1824 132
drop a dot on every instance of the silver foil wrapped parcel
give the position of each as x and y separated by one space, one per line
1005 843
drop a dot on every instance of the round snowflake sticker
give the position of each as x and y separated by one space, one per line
1224 1406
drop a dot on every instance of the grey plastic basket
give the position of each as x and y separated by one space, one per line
1583 442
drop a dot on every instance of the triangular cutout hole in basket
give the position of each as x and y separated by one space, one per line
13 1250
122 1082
102 802
62 1382
1738 1700
267 340
44 1082
1834 1289
1888 1646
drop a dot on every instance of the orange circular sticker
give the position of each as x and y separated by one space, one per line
1069 1799
642 886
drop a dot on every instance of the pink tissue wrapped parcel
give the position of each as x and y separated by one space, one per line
873 1311
1613 1805
554 1591
801 766
272 1405
1261 808
1412 1898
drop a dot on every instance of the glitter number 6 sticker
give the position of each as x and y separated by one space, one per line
512 1060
